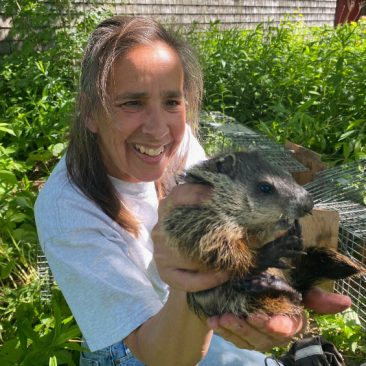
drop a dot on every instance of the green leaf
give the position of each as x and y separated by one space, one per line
10 353
27 330
18 217
57 149
354 346
24 202
65 357
7 176
52 361
67 334
5 128
346 135
6 270
75 346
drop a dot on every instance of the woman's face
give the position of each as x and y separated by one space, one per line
147 120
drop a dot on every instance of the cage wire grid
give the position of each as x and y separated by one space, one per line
45 276
229 134
343 189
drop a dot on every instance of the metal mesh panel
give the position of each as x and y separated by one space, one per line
45 275
344 189
229 134
343 183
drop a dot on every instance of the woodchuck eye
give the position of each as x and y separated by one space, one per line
266 187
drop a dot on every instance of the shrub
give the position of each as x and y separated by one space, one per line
292 82
38 81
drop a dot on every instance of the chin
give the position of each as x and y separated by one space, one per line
152 177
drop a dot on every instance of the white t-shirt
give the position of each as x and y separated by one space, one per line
108 277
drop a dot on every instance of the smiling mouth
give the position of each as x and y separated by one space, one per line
148 150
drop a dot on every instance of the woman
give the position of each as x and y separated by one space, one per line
138 104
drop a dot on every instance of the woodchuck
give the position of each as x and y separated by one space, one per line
235 231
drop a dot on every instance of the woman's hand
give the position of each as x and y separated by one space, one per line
258 331
174 269
326 302
262 332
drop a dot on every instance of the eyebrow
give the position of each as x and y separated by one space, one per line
173 94
141 95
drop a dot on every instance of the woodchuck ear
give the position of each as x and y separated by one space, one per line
226 165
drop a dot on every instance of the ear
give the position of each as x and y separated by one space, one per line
226 164
92 125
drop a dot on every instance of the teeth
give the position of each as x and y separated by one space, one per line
149 151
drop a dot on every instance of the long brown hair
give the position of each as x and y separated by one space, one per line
112 39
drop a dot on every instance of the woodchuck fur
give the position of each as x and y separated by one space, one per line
235 231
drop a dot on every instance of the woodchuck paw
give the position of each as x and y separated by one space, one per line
277 253
266 284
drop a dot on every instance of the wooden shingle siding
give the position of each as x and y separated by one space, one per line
242 13
5 24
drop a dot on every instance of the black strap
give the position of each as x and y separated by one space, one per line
273 359
313 351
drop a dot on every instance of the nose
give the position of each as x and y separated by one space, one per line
155 123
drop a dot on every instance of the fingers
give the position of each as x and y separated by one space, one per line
263 332
193 281
180 272
184 194
326 302
278 326
174 268
234 330
257 331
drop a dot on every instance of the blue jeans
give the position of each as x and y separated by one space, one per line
116 355
221 353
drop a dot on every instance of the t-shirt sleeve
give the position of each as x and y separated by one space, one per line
108 294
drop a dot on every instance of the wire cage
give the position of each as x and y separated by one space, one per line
226 133
45 275
343 189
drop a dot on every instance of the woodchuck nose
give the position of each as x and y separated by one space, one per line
235 231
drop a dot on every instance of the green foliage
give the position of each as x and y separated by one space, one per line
37 91
41 336
292 82
38 81
345 331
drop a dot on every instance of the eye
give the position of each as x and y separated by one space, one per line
173 103
131 103
265 187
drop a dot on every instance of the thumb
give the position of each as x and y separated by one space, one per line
324 302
